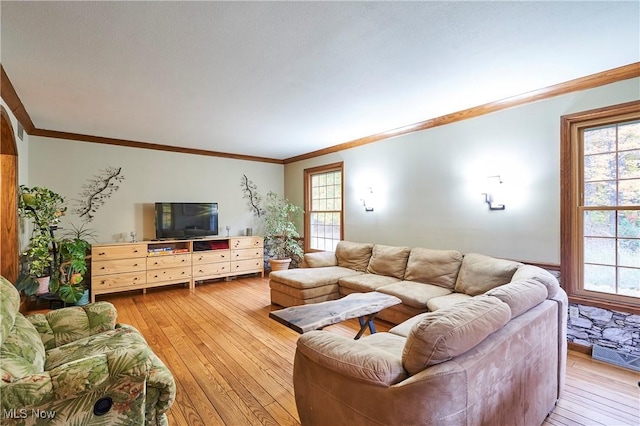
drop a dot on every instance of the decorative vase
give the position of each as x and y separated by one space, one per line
279 264
43 285
84 300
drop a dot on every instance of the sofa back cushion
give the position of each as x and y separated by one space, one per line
448 332
389 261
437 267
540 275
353 255
479 273
520 295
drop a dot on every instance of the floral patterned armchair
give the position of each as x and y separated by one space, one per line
76 366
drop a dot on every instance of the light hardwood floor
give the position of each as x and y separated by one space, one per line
233 365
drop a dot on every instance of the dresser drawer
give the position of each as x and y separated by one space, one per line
171 274
168 261
203 257
210 269
247 265
110 252
244 254
130 279
117 266
245 243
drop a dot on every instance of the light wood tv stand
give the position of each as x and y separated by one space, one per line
119 267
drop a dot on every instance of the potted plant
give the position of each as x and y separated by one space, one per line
44 208
280 230
74 250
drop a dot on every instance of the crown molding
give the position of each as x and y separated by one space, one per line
626 72
594 80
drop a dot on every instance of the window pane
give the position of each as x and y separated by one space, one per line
600 167
629 281
600 140
629 136
629 223
600 223
600 278
600 250
629 192
629 252
629 164
600 194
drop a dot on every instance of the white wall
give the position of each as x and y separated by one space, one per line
150 176
429 184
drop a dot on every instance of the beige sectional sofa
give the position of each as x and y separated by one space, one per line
424 279
479 340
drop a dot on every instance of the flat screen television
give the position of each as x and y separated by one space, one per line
186 220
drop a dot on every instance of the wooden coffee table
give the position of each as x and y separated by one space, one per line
316 316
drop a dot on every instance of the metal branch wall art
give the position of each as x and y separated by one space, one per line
96 191
250 193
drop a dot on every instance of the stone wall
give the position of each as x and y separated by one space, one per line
611 329
597 326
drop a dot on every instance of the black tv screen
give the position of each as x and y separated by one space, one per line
186 220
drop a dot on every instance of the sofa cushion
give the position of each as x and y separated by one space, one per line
414 294
355 359
353 255
404 328
446 301
449 332
303 278
540 275
480 273
520 295
319 259
437 267
389 260
366 282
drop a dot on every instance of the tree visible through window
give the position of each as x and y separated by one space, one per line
611 158
601 205
323 199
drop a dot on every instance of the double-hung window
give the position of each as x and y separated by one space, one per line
323 206
601 206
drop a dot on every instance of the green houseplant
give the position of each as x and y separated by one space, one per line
43 208
62 260
280 229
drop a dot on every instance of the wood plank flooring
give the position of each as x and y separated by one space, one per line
233 364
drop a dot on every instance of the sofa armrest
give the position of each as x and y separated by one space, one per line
161 390
352 358
66 325
319 259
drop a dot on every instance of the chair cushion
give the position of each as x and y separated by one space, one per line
353 255
388 260
437 267
22 353
414 294
449 332
540 275
122 337
480 273
520 295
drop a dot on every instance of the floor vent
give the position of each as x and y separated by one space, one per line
618 358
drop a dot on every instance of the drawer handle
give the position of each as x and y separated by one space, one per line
155 276
135 251
222 256
200 271
183 260
102 253
103 267
135 264
103 282
135 279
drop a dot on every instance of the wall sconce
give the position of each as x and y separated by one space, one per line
493 196
367 200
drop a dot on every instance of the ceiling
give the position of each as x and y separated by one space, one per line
281 79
